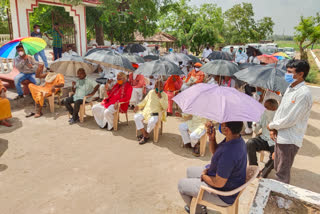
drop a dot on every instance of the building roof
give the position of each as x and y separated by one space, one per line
158 37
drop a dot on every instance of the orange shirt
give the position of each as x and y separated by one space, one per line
171 85
198 75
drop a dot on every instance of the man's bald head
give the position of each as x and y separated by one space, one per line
81 73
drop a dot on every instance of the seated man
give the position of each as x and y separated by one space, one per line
104 112
228 82
226 172
191 131
69 52
156 101
53 83
213 79
27 67
5 110
83 87
137 82
262 142
150 85
172 85
106 80
241 56
194 77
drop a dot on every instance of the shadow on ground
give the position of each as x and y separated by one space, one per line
309 149
312 131
3 149
16 124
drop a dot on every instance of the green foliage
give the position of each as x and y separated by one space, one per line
312 76
4 28
307 33
242 28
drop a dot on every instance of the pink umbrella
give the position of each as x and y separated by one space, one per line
221 104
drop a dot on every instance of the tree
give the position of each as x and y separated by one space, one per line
307 33
242 28
4 28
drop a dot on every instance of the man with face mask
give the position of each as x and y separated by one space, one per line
27 67
36 33
262 142
291 119
226 172
120 93
83 87
241 56
206 52
156 101
53 83
194 77
57 36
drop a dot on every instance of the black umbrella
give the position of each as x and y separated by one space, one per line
282 64
245 65
97 49
151 57
250 51
220 55
264 77
159 67
194 59
134 48
220 67
110 59
177 57
134 58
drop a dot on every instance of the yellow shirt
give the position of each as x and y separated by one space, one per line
196 123
152 104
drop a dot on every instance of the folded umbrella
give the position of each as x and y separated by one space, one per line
31 45
134 48
266 77
159 68
220 55
268 59
221 104
133 58
110 59
220 67
70 65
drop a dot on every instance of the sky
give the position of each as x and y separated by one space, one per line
285 13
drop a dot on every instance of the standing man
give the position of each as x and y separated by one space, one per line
156 51
233 53
36 33
291 119
121 48
57 36
184 50
206 52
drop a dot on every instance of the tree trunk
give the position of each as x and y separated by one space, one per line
99 33
303 54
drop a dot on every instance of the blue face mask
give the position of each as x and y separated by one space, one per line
259 93
289 78
220 128
157 90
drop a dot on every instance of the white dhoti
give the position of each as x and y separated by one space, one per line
138 119
136 96
192 138
103 115
102 91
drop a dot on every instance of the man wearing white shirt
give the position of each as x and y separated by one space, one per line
206 52
291 119
241 57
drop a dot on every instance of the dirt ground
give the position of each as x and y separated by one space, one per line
48 166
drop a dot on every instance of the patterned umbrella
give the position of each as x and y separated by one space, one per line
268 59
220 67
281 55
159 67
134 58
110 59
69 65
31 45
264 77
220 55
134 48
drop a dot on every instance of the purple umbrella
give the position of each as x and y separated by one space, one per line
221 104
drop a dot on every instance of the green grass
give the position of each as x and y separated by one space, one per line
314 74
293 44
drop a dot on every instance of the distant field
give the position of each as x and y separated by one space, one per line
293 44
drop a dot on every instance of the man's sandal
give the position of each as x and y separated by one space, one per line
144 140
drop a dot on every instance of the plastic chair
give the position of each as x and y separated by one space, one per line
51 100
116 116
252 172
82 111
203 144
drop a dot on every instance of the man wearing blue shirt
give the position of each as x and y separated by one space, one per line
226 172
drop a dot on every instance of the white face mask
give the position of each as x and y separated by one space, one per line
197 69
21 53
38 30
